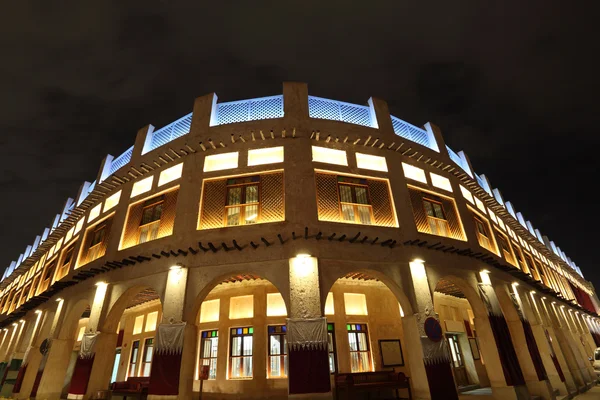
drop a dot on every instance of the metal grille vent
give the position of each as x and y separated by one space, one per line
339 111
250 110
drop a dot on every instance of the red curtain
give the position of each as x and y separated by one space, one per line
440 379
19 381
534 351
36 383
583 298
308 371
508 356
164 376
81 375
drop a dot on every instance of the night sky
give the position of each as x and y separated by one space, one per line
514 86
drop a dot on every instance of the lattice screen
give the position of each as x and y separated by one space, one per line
272 201
328 206
172 131
454 226
339 111
250 110
89 235
411 132
131 231
121 161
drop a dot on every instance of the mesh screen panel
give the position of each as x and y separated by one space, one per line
382 205
250 110
172 131
327 197
214 195
272 198
339 111
167 218
121 161
411 132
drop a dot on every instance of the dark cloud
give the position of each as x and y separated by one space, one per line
513 84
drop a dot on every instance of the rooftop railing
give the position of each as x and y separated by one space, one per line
121 161
249 110
412 133
172 131
339 111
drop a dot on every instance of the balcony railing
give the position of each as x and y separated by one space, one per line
334 110
121 161
438 226
412 133
170 132
249 110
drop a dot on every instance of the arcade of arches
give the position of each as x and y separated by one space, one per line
287 332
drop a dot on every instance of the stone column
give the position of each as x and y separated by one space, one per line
308 361
175 350
430 370
24 349
524 343
15 358
34 357
92 344
575 343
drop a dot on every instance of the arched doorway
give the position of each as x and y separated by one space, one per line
78 333
125 344
365 323
458 324
241 338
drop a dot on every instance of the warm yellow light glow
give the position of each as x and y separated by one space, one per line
138 324
94 212
112 201
355 304
401 310
417 269
412 172
480 204
209 310
466 194
241 307
170 174
269 155
485 277
515 283
303 265
440 182
222 161
329 309
151 320
329 156
367 161
175 267
58 244
69 234
532 292
79 225
58 300
80 333
38 311
142 186
501 223
101 283
492 215
275 305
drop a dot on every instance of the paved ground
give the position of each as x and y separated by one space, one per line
592 394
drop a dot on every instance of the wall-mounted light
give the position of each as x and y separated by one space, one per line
543 298
532 292
38 311
22 321
176 267
101 283
59 299
485 277
515 283
417 269
303 265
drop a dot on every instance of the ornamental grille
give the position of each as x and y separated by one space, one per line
88 256
214 198
250 110
121 161
131 232
457 160
421 220
328 205
170 132
339 111
411 132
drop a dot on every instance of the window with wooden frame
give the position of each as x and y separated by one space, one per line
277 367
483 233
147 357
360 351
355 200
208 351
96 250
520 259
48 275
15 302
331 348
65 262
505 248
436 217
243 201
133 360
150 222
240 353
532 268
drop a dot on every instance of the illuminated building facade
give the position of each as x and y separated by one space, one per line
279 241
